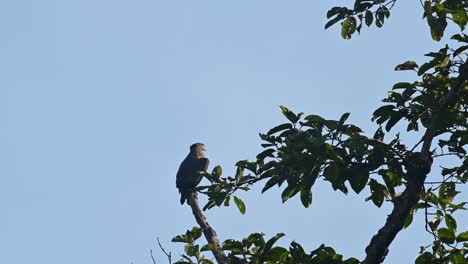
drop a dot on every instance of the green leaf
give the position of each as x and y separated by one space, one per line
269 244
195 233
208 247
446 235
379 134
265 153
460 50
425 258
394 119
459 259
192 250
288 192
460 37
462 237
407 65
333 21
460 17
437 25
270 183
383 112
306 197
315 119
408 220
240 204
348 27
351 261
343 118
335 10
217 171
296 250
278 254
226 202
377 193
402 85
426 66
369 18
451 223
290 115
358 178
279 128
181 238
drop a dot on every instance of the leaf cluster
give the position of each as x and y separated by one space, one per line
255 249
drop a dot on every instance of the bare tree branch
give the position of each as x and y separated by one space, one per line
168 255
208 231
152 257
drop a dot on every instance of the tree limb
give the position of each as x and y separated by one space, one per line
208 231
418 166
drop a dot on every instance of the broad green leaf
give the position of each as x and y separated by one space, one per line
408 220
333 21
460 50
402 85
195 233
358 178
451 223
446 235
181 238
288 192
460 37
462 237
290 115
306 197
424 258
460 17
426 66
394 119
335 10
348 27
269 244
343 118
240 204
265 153
217 171
279 128
351 261
270 183
208 247
192 250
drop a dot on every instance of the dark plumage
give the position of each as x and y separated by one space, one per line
188 176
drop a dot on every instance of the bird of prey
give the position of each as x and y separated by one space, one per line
188 175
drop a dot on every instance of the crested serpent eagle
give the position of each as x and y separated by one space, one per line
188 176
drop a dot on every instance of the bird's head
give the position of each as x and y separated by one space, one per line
198 149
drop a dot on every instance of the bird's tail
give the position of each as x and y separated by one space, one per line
183 196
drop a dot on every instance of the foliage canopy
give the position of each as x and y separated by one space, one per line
309 147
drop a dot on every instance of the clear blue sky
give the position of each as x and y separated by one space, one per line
99 101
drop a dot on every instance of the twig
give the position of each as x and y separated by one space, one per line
168 255
152 257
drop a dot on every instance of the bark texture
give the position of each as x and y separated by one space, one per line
208 231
